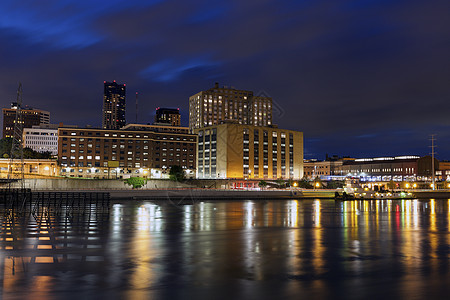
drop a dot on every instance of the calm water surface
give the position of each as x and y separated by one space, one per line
309 249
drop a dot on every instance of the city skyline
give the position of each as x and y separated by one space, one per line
358 78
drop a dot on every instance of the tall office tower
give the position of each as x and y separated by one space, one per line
218 104
113 105
30 117
169 116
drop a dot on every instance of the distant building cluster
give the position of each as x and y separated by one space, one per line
230 135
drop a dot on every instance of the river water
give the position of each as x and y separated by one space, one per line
309 249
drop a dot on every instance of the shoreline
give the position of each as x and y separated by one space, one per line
231 194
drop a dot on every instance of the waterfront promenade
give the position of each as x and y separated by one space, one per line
192 189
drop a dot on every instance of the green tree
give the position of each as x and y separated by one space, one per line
176 173
5 147
334 184
304 184
136 182
5 150
262 184
281 183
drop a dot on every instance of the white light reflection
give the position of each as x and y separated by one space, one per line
187 218
292 214
117 220
415 205
316 213
249 215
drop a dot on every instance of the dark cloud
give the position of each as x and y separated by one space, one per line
359 78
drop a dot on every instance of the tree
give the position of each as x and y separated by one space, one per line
318 182
136 182
281 183
304 184
5 147
334 184
262 184
176 173
5 150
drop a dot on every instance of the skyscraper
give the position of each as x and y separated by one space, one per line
113 105
218 104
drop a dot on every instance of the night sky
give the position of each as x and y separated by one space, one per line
359 78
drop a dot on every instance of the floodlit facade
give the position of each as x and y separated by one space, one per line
113 105
233 150
217 104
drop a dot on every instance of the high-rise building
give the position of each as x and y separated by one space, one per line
169 116
113 105
217 104
30 118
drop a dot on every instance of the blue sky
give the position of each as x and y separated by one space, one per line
359 78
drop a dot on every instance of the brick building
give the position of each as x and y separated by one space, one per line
135 150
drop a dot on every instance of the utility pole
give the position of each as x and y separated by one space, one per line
432 161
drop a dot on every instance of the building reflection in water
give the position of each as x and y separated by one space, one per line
317 248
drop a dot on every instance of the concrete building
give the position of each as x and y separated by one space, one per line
43 138
30 117
113 116
217 104
167 116
233 150
135 150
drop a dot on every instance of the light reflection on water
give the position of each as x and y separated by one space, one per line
231 249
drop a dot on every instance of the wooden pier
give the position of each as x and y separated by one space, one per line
27 200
